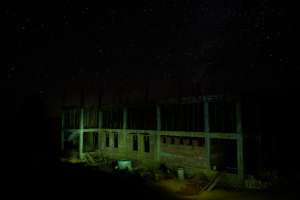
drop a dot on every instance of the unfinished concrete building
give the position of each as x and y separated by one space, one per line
206 133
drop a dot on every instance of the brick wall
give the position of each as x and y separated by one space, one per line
184 155
117 153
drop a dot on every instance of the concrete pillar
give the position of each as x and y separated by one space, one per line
62 132
158 134
240 142
99 133
258 138
81 135
207 139
125 114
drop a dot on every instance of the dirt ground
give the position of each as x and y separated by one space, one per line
187 189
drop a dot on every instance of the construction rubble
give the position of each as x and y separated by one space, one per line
262 179
267 178
200 179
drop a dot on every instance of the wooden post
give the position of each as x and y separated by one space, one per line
240 141
273 136
187 117
158 135
82 97
158 118
147 91
258 138
180 90
120 94
124 131
177 117
134 117
99 133
198 118
182 117
62 132
64 97
207 139
173 117
193 113
81 134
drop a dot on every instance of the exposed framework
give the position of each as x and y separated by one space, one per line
186 115
175 116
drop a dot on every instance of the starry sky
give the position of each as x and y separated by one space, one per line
215 46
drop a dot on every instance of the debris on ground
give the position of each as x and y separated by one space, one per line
252 183
293 174
268 178
200 179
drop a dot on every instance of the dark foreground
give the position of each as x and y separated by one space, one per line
50 178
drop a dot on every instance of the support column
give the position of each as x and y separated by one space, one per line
240 142
81 135
158 135
99 133
258 138
207 139
124 131
62 132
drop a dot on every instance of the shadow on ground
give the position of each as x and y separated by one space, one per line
49 177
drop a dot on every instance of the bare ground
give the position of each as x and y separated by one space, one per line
57 179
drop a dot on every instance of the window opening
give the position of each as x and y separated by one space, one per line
146 142
116 140
96 141
164 139
107 139
201 142
135 142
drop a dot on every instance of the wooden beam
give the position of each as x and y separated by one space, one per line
89 156
217 179
81 135
125 114
62 132
240 141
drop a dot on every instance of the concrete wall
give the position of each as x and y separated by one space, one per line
111 151
189 157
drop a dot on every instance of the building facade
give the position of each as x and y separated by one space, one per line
193 133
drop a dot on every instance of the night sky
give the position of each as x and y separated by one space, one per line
243 47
